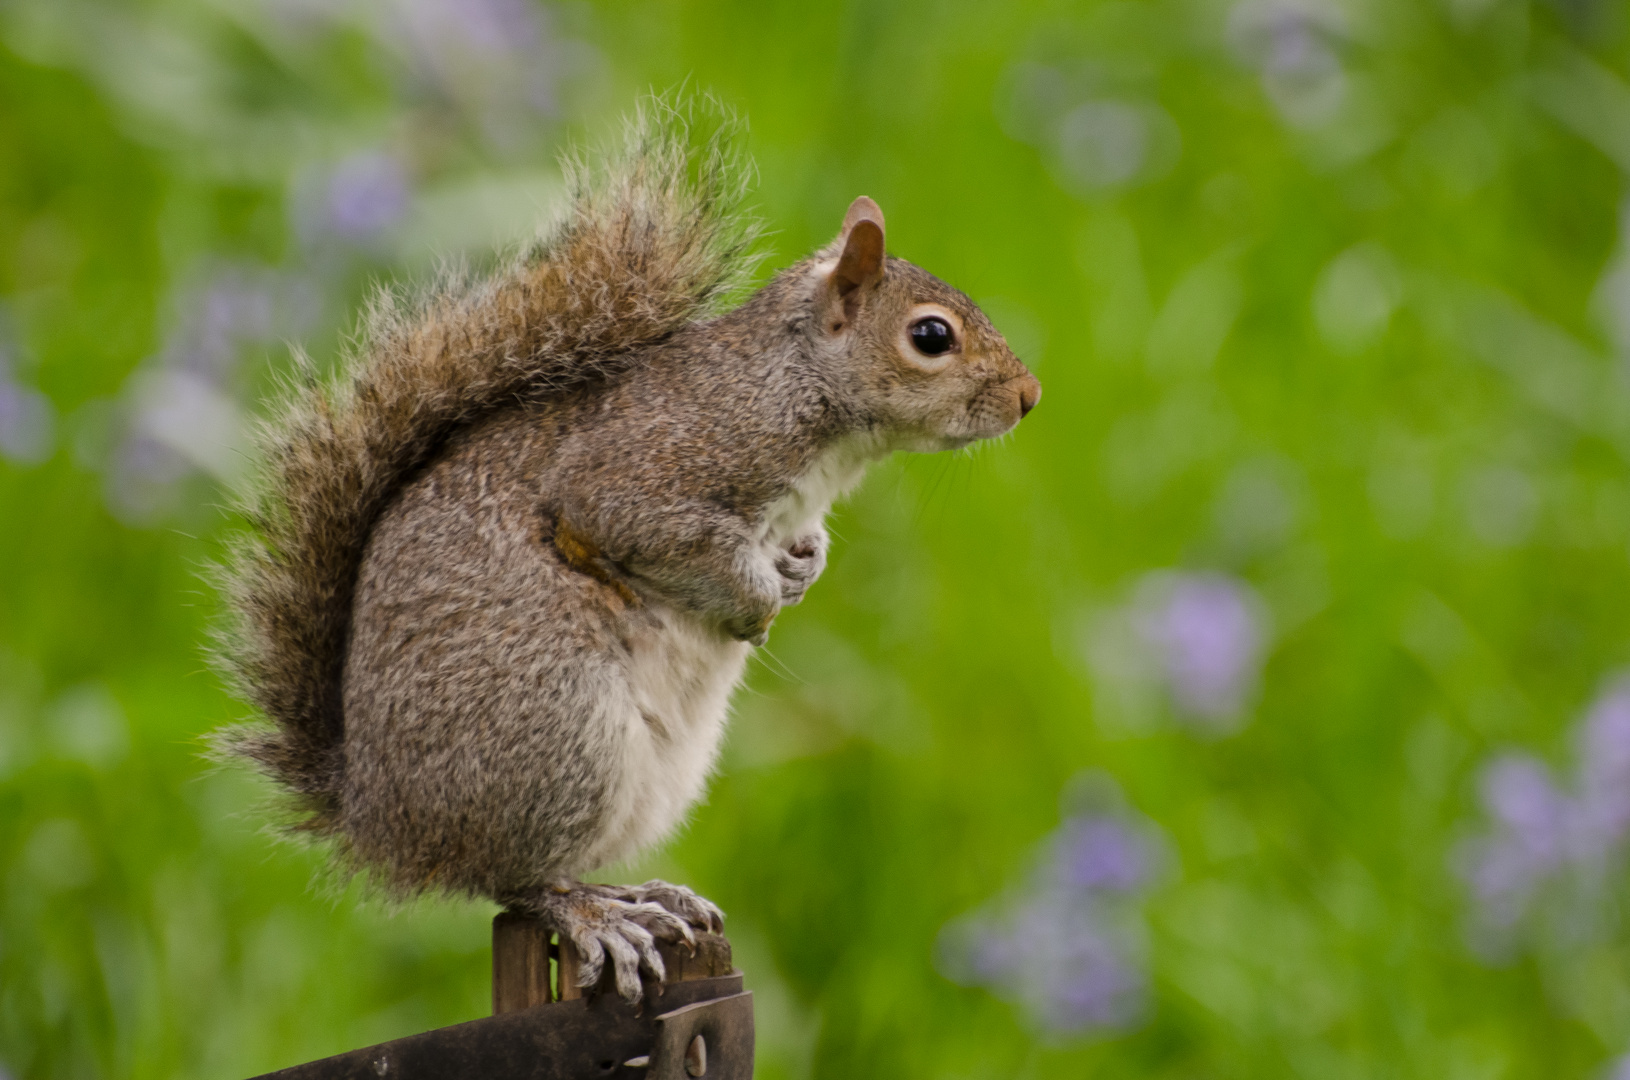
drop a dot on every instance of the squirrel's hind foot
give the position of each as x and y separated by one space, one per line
600 923
699 912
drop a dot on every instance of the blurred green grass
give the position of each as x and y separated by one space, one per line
1329 299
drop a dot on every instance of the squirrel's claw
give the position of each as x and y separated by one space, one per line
664 924
697 911
631 948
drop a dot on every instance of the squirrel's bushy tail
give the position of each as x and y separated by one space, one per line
653 239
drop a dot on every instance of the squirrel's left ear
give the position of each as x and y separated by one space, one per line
861 263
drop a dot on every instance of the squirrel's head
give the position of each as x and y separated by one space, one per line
914 355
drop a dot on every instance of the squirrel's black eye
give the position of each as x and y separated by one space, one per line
932 336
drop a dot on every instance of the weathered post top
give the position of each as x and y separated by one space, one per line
523 975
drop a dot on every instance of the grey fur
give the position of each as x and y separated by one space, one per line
510 569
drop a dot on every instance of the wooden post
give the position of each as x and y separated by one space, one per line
521 951
520 963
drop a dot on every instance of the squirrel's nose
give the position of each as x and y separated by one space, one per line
1029 394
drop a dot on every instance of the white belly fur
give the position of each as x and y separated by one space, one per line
670 722
681 674
830 476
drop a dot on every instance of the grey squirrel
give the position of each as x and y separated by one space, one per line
505 570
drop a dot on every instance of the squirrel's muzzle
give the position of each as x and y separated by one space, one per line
1029 394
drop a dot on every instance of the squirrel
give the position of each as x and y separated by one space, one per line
504 570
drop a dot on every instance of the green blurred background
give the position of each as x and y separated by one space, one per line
1251 712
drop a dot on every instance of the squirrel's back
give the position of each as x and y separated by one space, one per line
652 241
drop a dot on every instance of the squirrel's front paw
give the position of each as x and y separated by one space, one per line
799 564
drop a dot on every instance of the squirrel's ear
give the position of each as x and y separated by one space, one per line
862 209
862 260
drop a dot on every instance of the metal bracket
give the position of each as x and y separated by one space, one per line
710 1038
593 1038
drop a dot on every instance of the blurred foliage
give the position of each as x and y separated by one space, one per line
1309 564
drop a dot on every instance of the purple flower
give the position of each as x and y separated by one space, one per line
1066 948
1605 745
1603 812
1100 853
1539 831
461 31
1519 794
494 59
1100 989
498 26
1209 635
179 412
1532 820
234 306
1290 45
27 423
366 194
1283 39
1502 877
1082 973
1069 961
